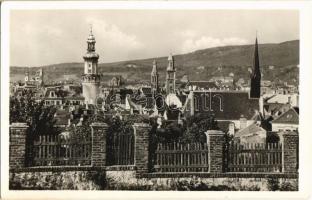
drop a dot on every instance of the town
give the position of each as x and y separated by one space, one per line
210 126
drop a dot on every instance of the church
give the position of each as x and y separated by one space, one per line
231 106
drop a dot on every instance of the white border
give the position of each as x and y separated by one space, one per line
305 174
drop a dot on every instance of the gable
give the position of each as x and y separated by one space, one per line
288 117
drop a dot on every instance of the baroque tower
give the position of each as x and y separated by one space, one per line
90 78
154 78
255 79
171 76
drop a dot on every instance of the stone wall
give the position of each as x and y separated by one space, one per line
57 180
141 147
127 180
17 151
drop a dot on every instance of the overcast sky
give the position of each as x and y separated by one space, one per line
50 37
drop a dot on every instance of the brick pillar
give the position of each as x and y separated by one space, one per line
141 147
17 152
98 154
290 142
215 142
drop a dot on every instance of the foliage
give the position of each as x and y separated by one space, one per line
288 186
273 184
39 117
197 125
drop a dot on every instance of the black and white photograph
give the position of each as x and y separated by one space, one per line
153 99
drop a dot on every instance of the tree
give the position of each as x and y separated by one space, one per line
197 125
39 117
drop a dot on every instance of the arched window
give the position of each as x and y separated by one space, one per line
220 101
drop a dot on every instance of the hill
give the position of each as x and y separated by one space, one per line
198 65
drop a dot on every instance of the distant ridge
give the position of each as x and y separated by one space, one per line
198 65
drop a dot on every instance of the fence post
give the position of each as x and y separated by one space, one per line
141 147
290 142
98 154
215 142
17 152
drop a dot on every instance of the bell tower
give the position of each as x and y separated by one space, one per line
171 76
90 78
154 78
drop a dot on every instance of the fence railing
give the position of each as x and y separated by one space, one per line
178 157
121 149
255 157
55 150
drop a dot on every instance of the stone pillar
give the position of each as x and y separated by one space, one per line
141 147
17 152
215 142
290 160
98 154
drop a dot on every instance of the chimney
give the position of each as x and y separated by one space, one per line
242 122
231 128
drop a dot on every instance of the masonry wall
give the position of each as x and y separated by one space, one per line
17 151
128 180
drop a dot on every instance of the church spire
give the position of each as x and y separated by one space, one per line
154 70
170 66
256 74
154 78
171 76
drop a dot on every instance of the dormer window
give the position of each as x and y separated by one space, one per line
52 94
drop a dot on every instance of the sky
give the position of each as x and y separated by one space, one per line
44 37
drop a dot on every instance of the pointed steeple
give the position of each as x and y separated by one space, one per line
154 78
255 80
154 70
170 66
256 65
171 76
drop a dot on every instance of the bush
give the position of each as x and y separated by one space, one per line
288 186
273 184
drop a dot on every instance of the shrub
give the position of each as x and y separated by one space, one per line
289 186
273 184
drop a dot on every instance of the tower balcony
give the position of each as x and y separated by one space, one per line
91 55
91 78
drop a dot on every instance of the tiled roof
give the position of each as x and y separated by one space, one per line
233 104
289 117
203 84
276 108
249 130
